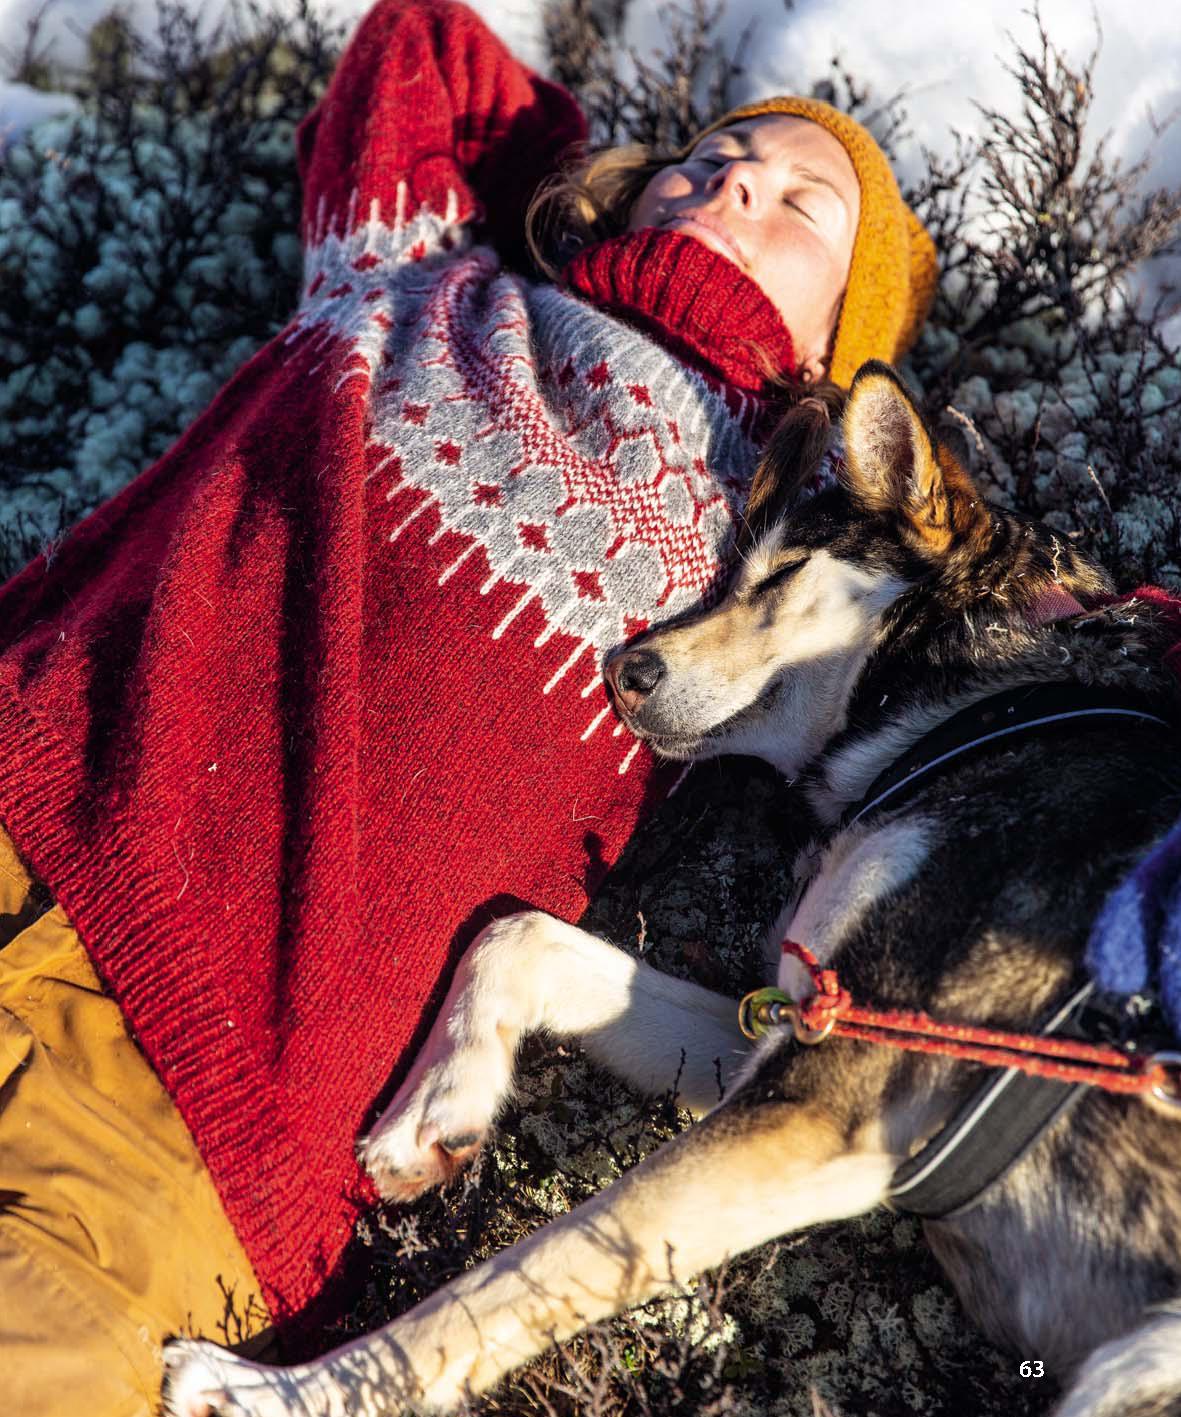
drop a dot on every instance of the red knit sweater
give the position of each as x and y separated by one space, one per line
317 695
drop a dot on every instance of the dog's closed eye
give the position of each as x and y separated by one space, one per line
778 576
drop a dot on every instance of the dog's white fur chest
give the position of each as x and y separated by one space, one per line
857 869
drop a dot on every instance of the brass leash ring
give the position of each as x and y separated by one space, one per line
764 1009
804 1034
1169 1096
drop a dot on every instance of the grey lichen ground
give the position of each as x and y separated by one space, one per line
147 248
1092 448
122 340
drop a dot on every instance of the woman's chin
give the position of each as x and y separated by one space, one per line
708 238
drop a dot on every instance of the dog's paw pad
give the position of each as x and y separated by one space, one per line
464 1142
402 1174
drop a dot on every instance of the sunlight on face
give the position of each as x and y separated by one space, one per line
778 196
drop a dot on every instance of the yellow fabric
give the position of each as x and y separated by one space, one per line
894 268
112 1236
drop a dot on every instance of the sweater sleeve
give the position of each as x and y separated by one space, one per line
429 110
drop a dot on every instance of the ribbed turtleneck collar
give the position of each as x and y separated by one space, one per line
697 304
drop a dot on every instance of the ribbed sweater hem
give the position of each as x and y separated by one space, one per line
114 906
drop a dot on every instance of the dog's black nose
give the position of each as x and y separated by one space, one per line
632 675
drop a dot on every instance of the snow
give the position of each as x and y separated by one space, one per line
21 107
948 58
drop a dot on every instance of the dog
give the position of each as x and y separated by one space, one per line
866 620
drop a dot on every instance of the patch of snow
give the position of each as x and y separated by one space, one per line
21 107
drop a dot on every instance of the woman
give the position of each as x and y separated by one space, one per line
315 697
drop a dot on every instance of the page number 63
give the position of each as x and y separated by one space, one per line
1036 1369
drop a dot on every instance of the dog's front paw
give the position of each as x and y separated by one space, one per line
445 1109
413 1155
202 1380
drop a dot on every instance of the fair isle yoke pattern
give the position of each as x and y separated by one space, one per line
593 471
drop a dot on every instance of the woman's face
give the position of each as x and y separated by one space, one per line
778 196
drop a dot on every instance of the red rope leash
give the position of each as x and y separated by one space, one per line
831 1009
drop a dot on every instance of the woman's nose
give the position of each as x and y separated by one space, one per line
736 181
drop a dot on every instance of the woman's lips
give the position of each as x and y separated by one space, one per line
709 234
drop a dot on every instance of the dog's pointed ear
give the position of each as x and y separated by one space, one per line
770 495
893 465
793 448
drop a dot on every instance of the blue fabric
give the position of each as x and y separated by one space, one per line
1135 944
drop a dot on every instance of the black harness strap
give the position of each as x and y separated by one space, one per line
1030 707
983 1141
979 1145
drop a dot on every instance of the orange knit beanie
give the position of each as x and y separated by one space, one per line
894 268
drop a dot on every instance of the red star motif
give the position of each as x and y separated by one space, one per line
535 537
417 251
588 585
487 494
599 375
415 412
337 291
366 262
641 395
448 452
633 625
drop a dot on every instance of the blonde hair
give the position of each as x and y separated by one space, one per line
589 200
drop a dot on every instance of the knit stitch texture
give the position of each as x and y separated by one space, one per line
318 695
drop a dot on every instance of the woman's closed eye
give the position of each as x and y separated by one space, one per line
789 201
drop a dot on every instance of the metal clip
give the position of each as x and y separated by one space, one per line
1169 1096
804 1034
764 1009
